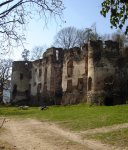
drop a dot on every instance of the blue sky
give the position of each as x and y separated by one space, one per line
78 13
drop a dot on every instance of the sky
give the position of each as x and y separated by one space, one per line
78 13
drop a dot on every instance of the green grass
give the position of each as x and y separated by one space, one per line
75 117
117 138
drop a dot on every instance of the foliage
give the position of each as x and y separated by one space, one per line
91 33
100 100
82 100
91 104
25 54
119 12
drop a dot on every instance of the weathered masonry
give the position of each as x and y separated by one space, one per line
74 75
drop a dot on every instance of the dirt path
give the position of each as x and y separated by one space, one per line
31 134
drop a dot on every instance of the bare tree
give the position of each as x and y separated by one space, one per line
5 76
118 36
15 15
81 37
37 52
106 37
66 38
70 37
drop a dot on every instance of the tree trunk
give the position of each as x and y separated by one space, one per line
1 93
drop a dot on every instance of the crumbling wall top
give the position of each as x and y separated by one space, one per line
112 45
96 45
21 65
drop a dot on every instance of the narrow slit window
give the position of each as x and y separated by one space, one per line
70 68
39 88
45 73
39 72
89 84
21 76
30 74
57 55
29 88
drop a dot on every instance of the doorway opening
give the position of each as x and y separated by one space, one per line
108 101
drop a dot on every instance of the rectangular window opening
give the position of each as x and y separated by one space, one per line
30 74
29 88
80 84
45 73
21 76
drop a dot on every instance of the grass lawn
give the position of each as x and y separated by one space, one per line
75 117
79 118
117 138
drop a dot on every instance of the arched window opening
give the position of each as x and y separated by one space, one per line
89 84
71 53
80 84
39 88
70 68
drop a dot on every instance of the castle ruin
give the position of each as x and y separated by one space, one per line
71 76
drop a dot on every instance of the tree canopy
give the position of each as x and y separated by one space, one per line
119 12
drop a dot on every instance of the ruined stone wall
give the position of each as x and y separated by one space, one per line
52 89
56 77
73 77
105 75
20 82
